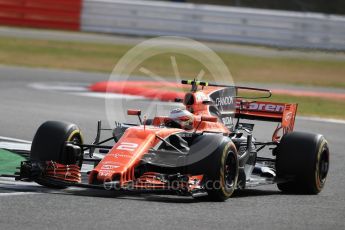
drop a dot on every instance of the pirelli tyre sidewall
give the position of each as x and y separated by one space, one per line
220 168
49 144
303 159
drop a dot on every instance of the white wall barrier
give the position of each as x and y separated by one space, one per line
216 23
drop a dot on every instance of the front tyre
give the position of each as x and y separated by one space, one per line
49 144
302 160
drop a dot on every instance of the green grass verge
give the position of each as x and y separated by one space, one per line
9 161
312 106
103 57
307 106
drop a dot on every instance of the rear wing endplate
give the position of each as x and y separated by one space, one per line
282 113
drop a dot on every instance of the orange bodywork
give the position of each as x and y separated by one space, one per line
69 173
127 153
120 163
213 109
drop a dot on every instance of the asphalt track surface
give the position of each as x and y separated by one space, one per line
30 206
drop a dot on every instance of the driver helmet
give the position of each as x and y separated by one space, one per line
182 117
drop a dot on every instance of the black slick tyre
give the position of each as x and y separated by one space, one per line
302 163
49 144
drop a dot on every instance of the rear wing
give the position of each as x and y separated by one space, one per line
283 113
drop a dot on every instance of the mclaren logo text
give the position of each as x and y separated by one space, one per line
265 107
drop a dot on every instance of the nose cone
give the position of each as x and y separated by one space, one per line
108 171
120 162
105 173
110 167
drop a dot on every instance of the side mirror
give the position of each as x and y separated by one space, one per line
134 112
209 118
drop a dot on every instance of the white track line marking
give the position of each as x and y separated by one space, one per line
11 181
15 146
85 168
19 193
320 119
107 95
100 156
59 86
14 139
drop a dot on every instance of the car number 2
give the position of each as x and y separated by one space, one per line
127 146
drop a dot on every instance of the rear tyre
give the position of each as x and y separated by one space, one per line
303 160
49 144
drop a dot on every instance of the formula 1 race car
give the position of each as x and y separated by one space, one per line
205 149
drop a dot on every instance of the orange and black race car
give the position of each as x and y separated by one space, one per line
206 149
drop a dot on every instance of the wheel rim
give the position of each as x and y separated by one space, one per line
323 166
79 159
230 170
